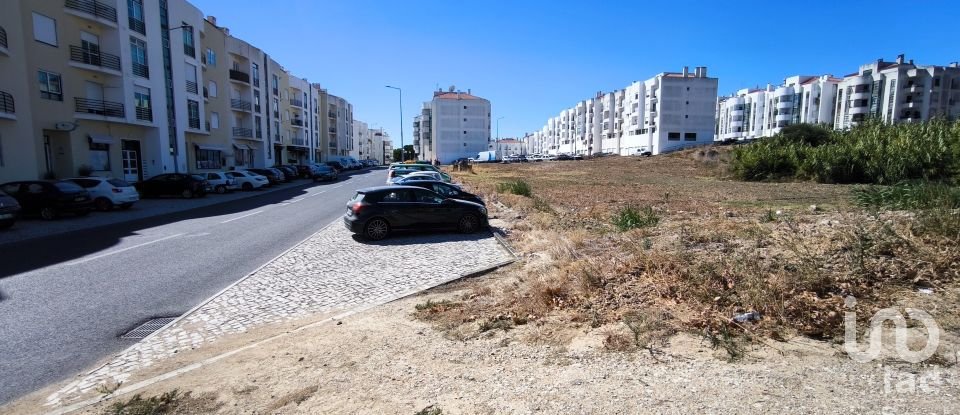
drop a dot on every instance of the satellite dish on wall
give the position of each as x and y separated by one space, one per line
65 126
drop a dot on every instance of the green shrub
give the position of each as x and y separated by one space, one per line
517 187
908 196
630 217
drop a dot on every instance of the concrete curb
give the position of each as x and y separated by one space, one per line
208 361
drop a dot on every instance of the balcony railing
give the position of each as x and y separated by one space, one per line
298 141
194 123
93 7
6 103
242 132
239 104
276 92
192 87
331 114
296 102
256 82
137 25
141 70
333 130
239 76
259 133
144 113
3 37
99 107
95 58
189 50
297 122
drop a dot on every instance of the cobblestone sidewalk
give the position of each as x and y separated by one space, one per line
329 271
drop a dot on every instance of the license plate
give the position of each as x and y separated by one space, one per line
6 215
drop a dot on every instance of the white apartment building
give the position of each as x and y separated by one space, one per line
339 124
671 111
379 145
510 147
453 125
898 91
755 113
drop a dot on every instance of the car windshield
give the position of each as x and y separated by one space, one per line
118 183
68 186
197 177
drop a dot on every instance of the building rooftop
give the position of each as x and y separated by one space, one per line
454 95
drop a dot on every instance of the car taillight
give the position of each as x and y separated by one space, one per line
356 208
115 190
391 174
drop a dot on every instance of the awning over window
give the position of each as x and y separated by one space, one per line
242 147
208 147
101 139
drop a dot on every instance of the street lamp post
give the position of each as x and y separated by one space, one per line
401 120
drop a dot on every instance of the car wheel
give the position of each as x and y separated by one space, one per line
468 224
187 194
48 213
84 212
6 224
376 229
103 204
246 186
126 206
220 189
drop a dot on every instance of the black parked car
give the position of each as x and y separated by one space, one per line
375 212
272 175
289 171
336 166
446 190
323 172
50 198
174 184
9 209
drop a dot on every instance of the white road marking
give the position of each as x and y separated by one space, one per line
88 259
241 217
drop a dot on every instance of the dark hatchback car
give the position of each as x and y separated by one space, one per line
9 209
323 172
336 166
375 212
174 184
270 174
49 199
290 171
446 190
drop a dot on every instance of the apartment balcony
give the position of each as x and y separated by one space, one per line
99 108
860 95
144 113
738 123
240 105
3 42
192 87
331 114
242 133
784 104
333 130
917 89
296 102
137 25
141 70
93 10
736 112
299 142
7 107
856 110
914 103
95 60
193 123
296 122
239 76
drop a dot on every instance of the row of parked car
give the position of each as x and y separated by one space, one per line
50 199
417 197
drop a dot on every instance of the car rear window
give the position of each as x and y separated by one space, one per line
68 187
118 183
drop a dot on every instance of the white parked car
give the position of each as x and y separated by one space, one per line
220 182
108 193
405 175
248 180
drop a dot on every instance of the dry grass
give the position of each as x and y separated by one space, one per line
719 247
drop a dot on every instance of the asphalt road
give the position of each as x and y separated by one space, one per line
66 299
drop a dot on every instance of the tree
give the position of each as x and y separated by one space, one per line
408 153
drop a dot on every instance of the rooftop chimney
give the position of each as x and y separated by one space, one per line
686 71
911 61
900 58
468 91
212 20
703 71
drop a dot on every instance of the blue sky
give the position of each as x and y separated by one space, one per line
531 59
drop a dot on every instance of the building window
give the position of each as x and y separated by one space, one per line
276 108
208 159
50 87
138 54
44 29
276 85
100 156
255 74
188 47
212 89
214 120
256 100
690 136
135 16
193 114
673 136
256 127
141 97
211 57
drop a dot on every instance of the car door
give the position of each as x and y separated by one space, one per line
155 185
430 210
399 209
39 194
176 183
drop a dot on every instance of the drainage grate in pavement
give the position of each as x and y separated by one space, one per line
145 329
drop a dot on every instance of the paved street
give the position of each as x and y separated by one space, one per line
65 299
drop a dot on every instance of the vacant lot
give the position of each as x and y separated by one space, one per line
648 247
